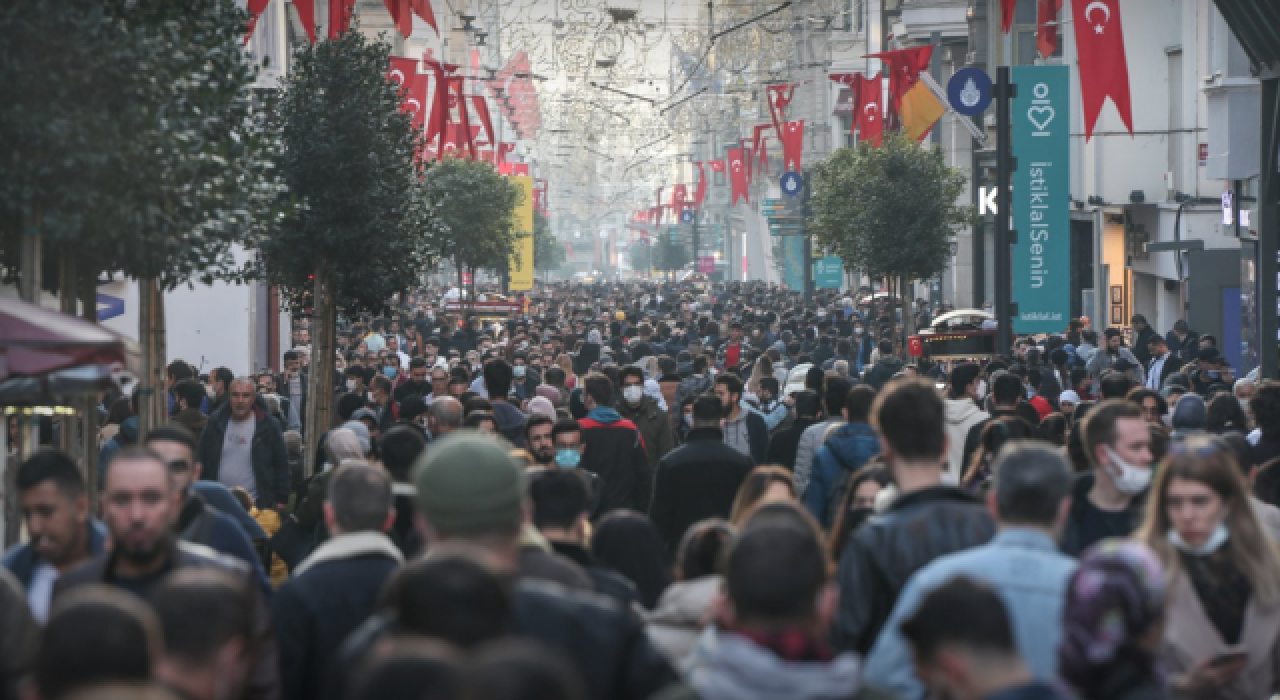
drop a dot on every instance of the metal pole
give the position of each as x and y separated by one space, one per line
1268 226
979 237
808 266
1004 174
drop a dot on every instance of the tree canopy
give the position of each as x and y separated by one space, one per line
891 211
475 211
351 155
132 139
548 252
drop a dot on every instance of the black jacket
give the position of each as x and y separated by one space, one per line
270 458
315 610
264 677
883 371
1074 540
783 444
1170 367
698 480
615 452
919 527
607 582
606 643
1140 349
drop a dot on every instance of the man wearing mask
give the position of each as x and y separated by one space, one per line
653 422
862 347
614 449
523 382
1107 502
355 381
386 409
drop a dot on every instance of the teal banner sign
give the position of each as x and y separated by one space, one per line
1042 254
828 272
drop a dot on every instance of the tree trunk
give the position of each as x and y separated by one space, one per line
87 290
320 379
70 438
154 404
29 288
908 316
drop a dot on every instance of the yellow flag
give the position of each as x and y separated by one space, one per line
521 275
920 110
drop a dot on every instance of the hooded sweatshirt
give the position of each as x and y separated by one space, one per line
727 666
962 414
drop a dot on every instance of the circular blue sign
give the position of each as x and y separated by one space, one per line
686 216
791 184
969 91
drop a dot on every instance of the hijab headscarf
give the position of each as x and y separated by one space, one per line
1114 598
540 404
342 443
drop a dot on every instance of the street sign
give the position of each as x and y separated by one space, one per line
706 264
791 184
828 272
1227 218
686 216
969 91
1041 258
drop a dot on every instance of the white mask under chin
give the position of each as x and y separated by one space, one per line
1213 543
1128 478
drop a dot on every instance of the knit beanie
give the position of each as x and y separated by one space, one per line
467 484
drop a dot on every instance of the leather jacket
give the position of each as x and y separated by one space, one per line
916 529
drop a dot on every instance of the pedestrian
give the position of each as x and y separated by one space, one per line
336 587
682 611
206 619
925 521
628 543
1107 501
401 448
61 532
700 479
94 637
561 503
643 411
963 642
847 448
410 669
834 394
784 443
1021 565
762 486
614 449
190 395
744 429
19 637
242 447
860 502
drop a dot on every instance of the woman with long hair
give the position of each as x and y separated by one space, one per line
564 362
858 505
763 485
1222 626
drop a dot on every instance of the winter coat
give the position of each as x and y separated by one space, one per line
846 450
728 666
751 432
331 593
22 559
510 422
917 528
604 581
677 620
961 414
615 452
882 372
783 444
125 436
268 454
19 637
698 480
654 425
192 419
203 524
810 441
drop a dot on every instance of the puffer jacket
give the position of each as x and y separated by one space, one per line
676 621
653 424
917 528
848 448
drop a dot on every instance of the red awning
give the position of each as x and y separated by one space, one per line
35 341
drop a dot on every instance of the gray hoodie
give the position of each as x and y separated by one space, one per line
727 666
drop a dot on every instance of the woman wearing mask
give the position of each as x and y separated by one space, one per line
1222 628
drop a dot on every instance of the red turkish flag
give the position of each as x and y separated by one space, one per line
504 149
759 144
422 8
481 107
904 67
851 81
737 176
401 16
340 12
1046 33
413 87
1104 69
679 198
307 16
255 8
869 115
1006 14
439 102
701 191
717 166
779 98
747 159
792 145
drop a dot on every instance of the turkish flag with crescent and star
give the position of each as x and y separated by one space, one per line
792 145
717 166
737 176
779 98
904 67
869 114
413 87
1104 69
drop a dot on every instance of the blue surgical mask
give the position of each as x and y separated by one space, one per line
1213 374
568 458
390 372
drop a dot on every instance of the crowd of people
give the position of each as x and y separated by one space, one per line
636 491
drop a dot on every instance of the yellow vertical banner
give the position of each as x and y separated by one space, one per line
521 276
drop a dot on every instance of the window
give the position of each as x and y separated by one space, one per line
1024 33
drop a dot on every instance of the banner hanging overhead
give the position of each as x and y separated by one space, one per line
521 279
1041 217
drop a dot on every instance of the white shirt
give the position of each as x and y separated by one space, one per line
1153 374
236 465
40 592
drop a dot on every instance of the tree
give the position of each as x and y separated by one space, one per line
891 211
475 211
669 253
133 144
548 252
351 155
641 253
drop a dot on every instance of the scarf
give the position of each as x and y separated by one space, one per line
604 414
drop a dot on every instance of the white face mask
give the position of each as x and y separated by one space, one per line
982 390
352 384
632 394
1129 479
1216 539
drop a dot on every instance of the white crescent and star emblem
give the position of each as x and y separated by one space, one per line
397 76
870 111
416 105
1106 11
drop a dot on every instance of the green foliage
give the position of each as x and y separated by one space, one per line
641 256
351 156
669 252
890 211
131 137
475 209
548 252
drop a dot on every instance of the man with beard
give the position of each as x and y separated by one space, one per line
417 384
537 437
139 504
198 522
